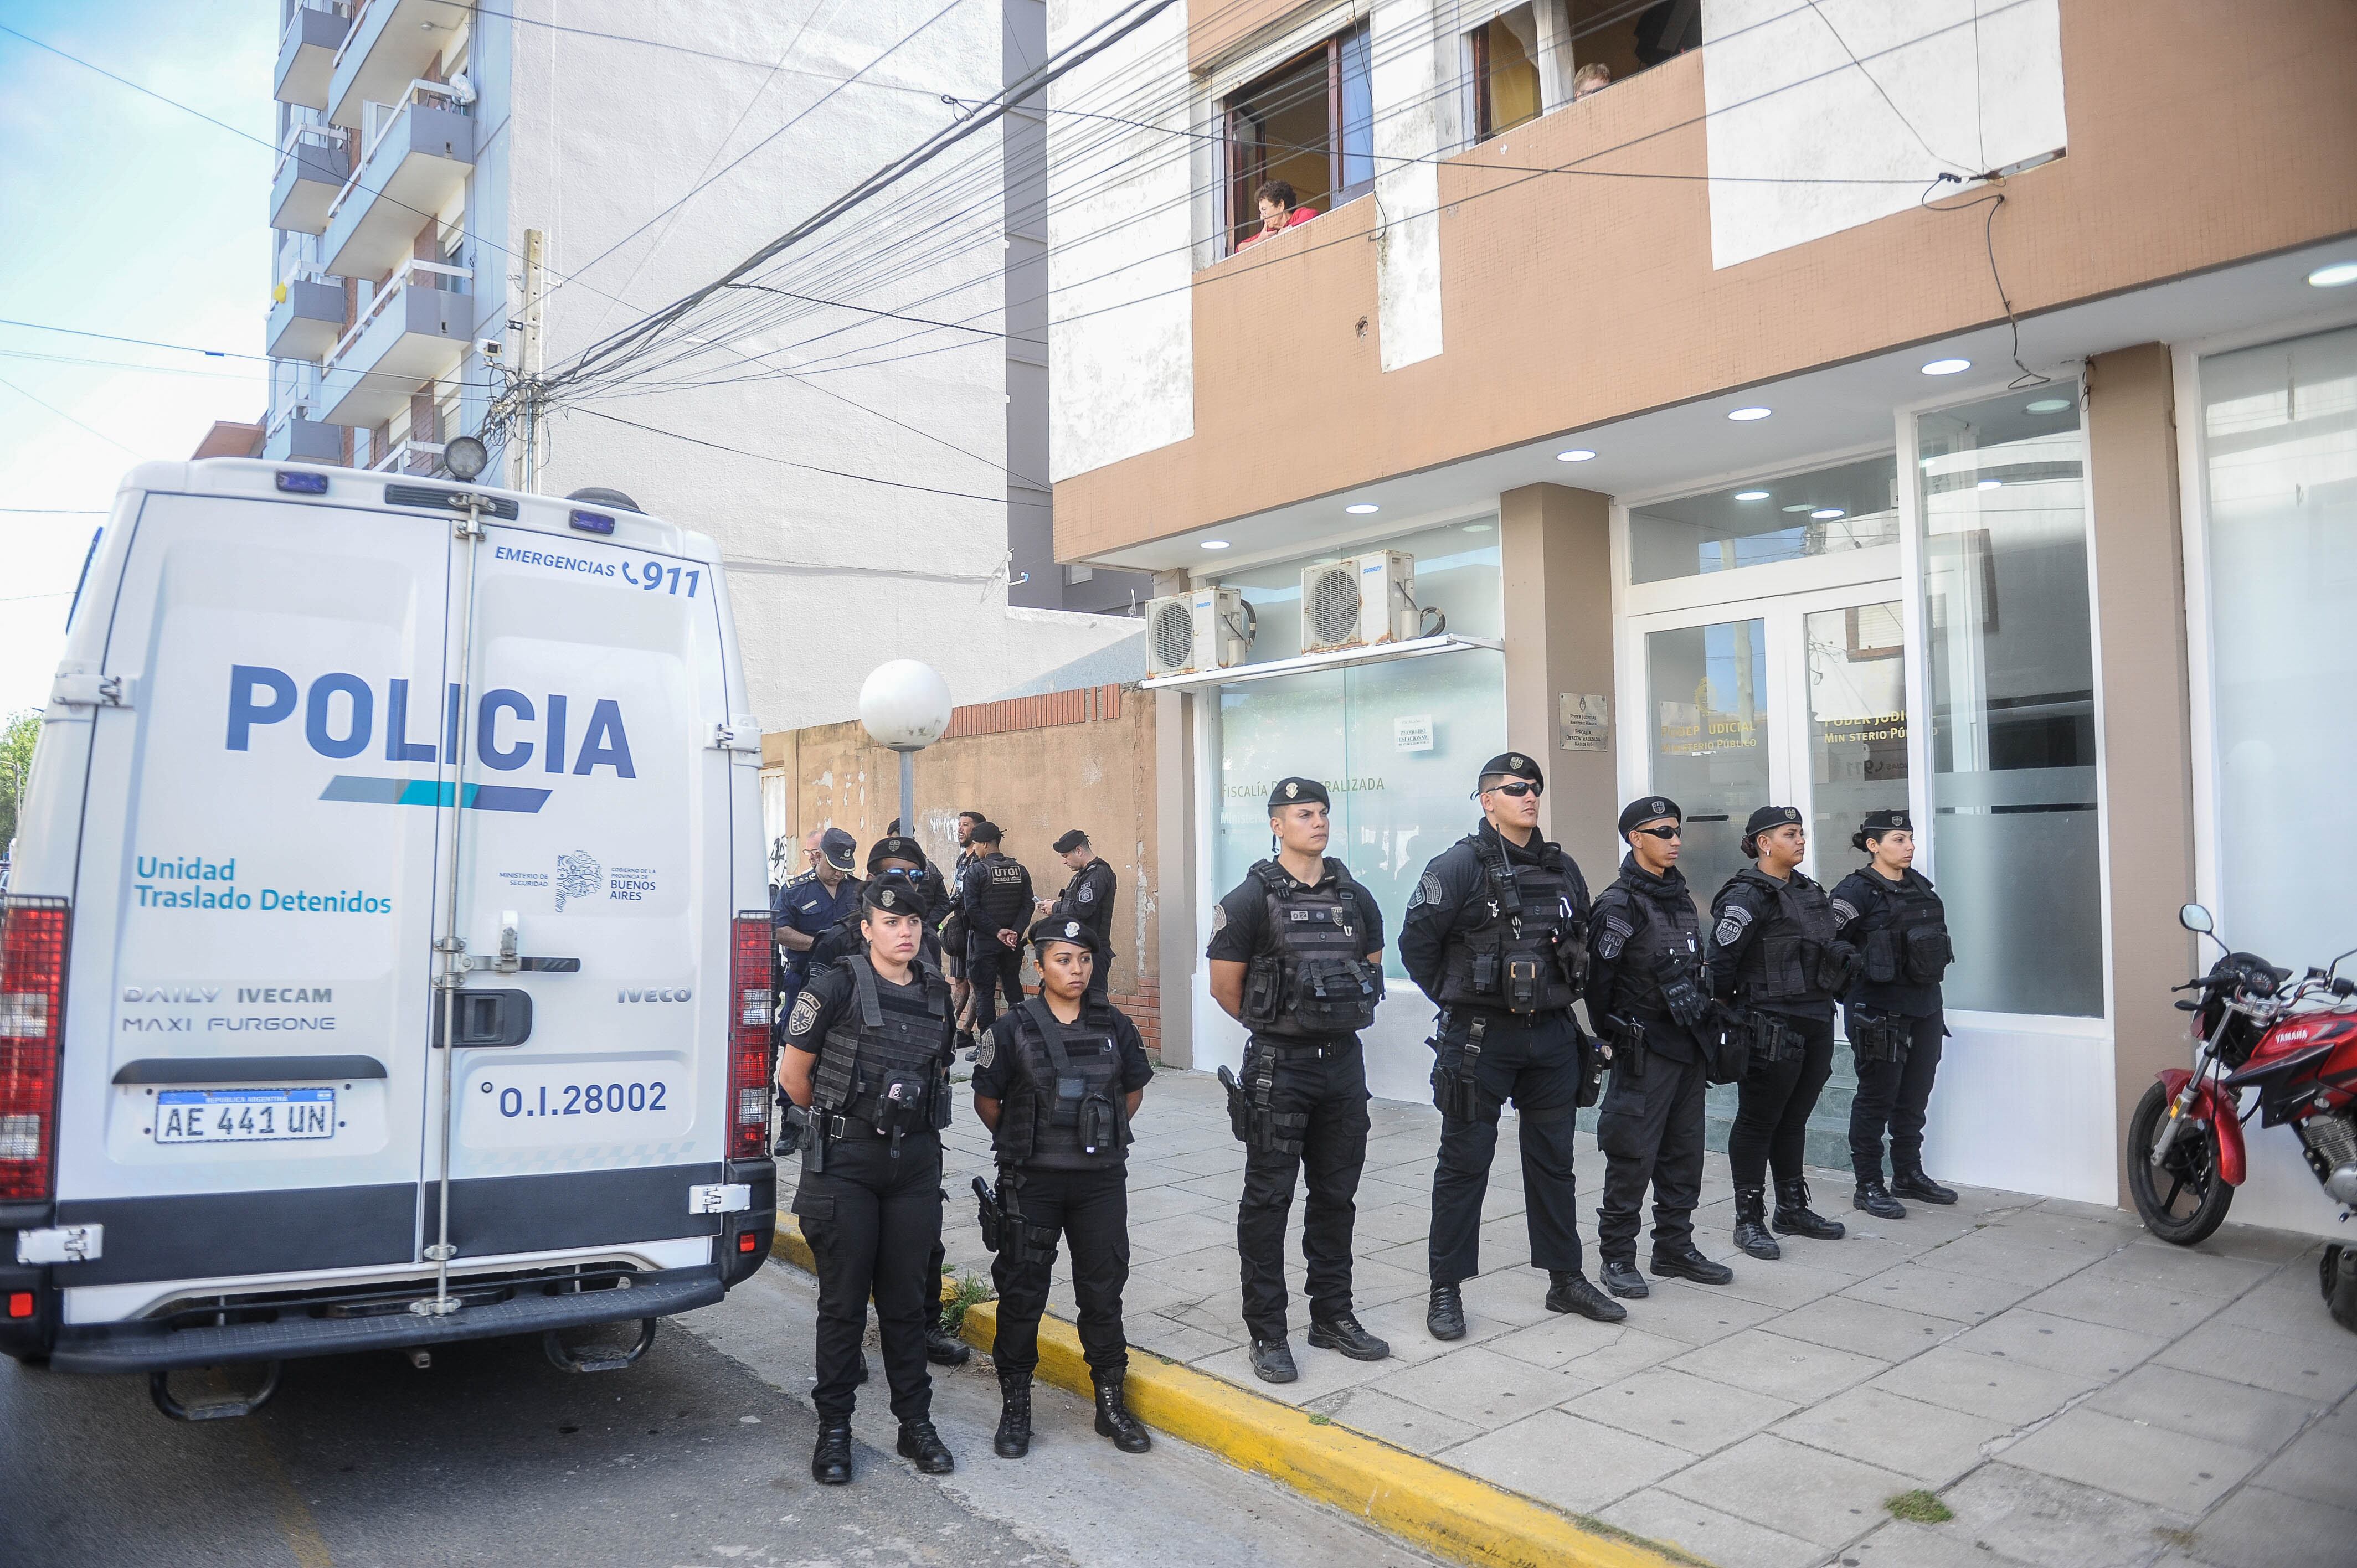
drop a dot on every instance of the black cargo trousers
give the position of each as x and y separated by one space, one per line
1323 1081
1535 1063
1651 1130
1090 1210
874 1223
1894 1095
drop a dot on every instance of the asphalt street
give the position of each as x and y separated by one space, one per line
698 1455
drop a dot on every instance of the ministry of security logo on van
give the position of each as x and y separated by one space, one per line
578 876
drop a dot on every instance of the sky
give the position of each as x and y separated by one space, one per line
124 216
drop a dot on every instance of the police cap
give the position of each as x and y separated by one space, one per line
1888 823
894 848
1646 809
841 850
1297 792
1767 817
984 831
1059 928
1513 765
1073 840
894 892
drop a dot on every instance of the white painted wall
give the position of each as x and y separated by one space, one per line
829 575
1972 85
1416 118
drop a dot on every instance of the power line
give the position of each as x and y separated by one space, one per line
70 419
786 462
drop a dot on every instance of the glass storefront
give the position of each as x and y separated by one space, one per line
1852 506
1710 734
1857 722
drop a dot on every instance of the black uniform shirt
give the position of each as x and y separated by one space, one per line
1448 884
1240 920
1087 899
993 905
996 1066
1856 901
1741 907
1616 926
829 996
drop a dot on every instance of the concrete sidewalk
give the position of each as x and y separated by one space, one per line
2075 1392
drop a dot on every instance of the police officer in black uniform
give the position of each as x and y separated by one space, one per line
1496 935
1087 899
1296 958
1058 1081
808 905
868 1048
1773 951
1649 995
1888 909
995 895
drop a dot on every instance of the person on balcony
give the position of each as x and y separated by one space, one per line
1280 208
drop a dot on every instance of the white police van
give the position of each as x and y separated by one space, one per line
373 973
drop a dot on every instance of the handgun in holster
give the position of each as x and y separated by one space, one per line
1772 1039
1252 1116
1879 1037
993 1217
1628 1040
1457 1086
1019 1241
1592 1057
794 1128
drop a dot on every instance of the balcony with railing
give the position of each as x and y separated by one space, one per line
316 29
414 160
313 163
391 42
415 330
305 323
410 457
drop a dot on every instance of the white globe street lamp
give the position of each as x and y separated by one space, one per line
905 705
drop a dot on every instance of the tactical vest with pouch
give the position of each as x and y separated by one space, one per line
1906 933
1662 970
1311 977
884 1061
1520 943
1794 956
1065 1108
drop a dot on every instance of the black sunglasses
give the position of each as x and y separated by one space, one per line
1517 788
1663 833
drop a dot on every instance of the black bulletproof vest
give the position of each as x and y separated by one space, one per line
1906 932
1067 1114
1502 951
1311 978
1786 961
885 1037
1002 902
1667 942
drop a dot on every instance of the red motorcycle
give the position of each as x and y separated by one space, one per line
2295 1044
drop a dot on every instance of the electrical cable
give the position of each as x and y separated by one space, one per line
783 462
70 419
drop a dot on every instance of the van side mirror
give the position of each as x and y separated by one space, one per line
2194 918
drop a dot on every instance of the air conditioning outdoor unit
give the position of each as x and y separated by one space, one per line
1359 602
1210 628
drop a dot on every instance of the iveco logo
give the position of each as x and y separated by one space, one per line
681 995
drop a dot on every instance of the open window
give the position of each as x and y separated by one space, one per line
1310 123
1505 71
1622 38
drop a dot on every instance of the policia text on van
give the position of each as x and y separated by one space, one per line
373 973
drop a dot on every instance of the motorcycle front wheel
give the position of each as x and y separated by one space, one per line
2182 1199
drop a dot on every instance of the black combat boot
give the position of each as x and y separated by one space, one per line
1795 1217
831 1460
1912 1182
1272 1361
1622 1278
1750 1223
1114 1420
1570 1292
920 1441
1342 1332
944 1349
1876 1199
1014 1438
1686 1262
1446 1314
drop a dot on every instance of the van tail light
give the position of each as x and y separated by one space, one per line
32 1027
753 1006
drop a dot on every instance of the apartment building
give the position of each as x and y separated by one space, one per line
456 180
1742 458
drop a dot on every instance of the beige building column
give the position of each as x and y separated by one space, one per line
2135 540
1555 551
1175 840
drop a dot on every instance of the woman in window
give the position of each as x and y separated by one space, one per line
1280 208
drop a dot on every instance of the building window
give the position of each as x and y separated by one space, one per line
2010 654
1505 64
1310 124
2280 444
1396 745
1826 512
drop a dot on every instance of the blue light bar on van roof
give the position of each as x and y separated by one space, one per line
295 484
593 522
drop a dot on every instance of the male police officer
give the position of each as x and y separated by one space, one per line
1649 995
995 893
1087 899
808 905
868 1051
1296 958
1495 934
1058 1082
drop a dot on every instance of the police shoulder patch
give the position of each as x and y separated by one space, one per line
1427 889
1614 936
1087 895
1219 918
1844 911
986 1052
805 1014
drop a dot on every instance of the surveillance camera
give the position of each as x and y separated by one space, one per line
490 348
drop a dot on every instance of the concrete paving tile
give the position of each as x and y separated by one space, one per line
1920 1287
1708 1533
1151 1204
2200 1406
1218 1316
1930 1442
1696 1314
1798 1490
1514 1294
2147 1464
2008 1257
1848 1323
2040 1519
1205 1162
1478 1386
1597 1353
1854 1256
1680 1409
2290 1304
1167 1338
1392 1222
1765 1362
2260 1529
1393 1420
2260 1244
1561 1459
1780 1283
1178 1234
2001 1389
1401 1324
2306 1369
2147 1262
2165 1310
1898 1545
1222 1188
2321 1467
1322 1372
2064 1344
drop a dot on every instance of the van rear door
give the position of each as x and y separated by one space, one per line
254 897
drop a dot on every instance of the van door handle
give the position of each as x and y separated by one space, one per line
486 1019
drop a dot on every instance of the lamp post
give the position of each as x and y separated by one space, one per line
905 705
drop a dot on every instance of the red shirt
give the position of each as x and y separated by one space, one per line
1293 219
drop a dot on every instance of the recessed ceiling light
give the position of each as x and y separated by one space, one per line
1826 511
1744 415
1990 485
1752 495
1215 544
2333 275
1576 455
1804 506
2047 405
1946 366
1477 528
1363 509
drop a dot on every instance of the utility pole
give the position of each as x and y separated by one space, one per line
531 356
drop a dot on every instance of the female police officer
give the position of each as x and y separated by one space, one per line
1889 911
1774 952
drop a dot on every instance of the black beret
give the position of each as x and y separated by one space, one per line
894 892
1073 840
1514 764
984 831
1888 821
1060 929
1646 810
1297 791
894 848
1767 817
